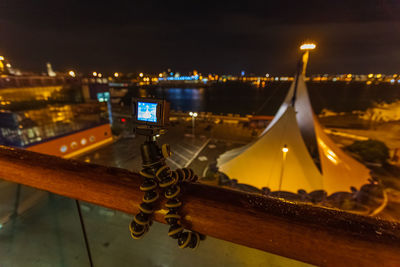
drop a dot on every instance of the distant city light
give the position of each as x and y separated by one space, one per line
94 73
160 75
370 75
1 58
71 73
267 75
307 46
242 73
99 75
180 78
141 74
379 76
8 65
116 75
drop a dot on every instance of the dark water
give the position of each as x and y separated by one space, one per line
240 98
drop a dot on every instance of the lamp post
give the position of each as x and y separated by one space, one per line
285 150
306 47
302 65
193 115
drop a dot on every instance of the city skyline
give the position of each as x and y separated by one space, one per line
256 36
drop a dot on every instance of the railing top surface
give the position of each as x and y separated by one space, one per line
305 232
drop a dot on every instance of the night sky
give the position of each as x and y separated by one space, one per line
210 36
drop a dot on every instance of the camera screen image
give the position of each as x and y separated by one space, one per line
147 111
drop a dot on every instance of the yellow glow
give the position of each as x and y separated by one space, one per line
307 46
285 149
116 74
160 75
369 82
141 74
328 152
370 75
71 73
8 65
99 75
1 58
379 76
94 73
349 75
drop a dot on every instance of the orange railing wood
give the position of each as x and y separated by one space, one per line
304 232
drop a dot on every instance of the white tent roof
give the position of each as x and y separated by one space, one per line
313 160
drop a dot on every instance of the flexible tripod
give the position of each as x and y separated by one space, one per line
158 178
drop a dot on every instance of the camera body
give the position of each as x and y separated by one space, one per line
150 115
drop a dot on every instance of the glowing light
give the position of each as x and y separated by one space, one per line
99 75
334 161
74 144
71 73
141 74
94 73
307 46
195 114
160 75
8 65
1 58
191 113
349 75
123 120
63 149
379 76
370 75
267 75
83 141
392 80
285 149
116 75
328 152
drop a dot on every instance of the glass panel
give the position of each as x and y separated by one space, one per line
112 245
38 228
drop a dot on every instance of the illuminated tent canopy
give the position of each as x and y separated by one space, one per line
294 153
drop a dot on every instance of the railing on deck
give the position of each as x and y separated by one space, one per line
307 233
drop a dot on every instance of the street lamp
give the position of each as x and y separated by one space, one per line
141 74
116 75
306 47
94 74
285 150
72 73
193 115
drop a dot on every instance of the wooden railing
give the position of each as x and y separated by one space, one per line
304 232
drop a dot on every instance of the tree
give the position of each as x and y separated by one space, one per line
370 150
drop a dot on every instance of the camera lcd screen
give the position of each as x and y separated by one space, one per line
147 111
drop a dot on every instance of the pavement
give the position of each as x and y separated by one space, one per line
48 233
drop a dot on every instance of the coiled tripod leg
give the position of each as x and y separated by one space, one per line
152 160
141 222
171 181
